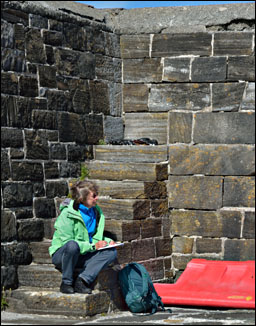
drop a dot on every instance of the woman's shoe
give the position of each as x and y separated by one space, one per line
66 288
81 286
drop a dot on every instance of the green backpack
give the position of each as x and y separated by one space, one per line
138 290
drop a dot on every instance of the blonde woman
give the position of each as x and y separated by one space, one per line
78 236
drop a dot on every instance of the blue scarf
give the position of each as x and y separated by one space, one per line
89 217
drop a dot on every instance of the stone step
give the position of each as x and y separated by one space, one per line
125 209
131 153
127 171
131 189
51 301
40 253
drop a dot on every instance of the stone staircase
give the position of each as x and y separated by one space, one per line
132 188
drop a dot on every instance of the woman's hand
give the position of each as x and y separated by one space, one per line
111 242
100 244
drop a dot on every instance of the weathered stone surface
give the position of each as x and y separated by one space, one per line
44 120
134 46
19 37
122 230
7 33
9 277
94 128
206 223
53 38
127 171
8 226
148 70
70 170
35 52
241 68
135 97
17 194
212 159
44 208
11 137
29 230
75 63
68 125
155 190
232 43
183 245
56 189
13 60
151 228
180 127
57 100
196 192
176 69
211 69
78 153
37 144
143 250
146 125
229 128
58 151
15 253
9 83
112 45
155 268
163 246
227 97
125 209
47 76
108 68
189 97
248 102
113 128
240 250
74 37
159 208
249 225
165 45
131 153
38 21
5 165
239 191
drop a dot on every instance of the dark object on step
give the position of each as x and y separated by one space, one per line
140 141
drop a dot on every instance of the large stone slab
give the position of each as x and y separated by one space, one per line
211 69
232 43
135 97
134 46
127 171
131 153
120 230
241 68
148 70
176 69
180 127
146 125
165 45
175 96
221 128
212 159
196 192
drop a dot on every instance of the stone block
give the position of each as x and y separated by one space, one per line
74 37
124 253
71 128
17 194
30 230
143 249
9 277
19 37
159 208
212 69
241 68
81 100
7 35
165 45
180 127
9 83
175 96
38 21
131 153
15 254
134 46
180 262
44 120
75 63
13 60
56 189
125 209
58 100
231 223
108 68
37 144
70 169
34 45
127 171
148 70
116 98
78 153
146 125
211 159
47 76
58 151
227 97
197 192
176 69
122 230
113 128
19 112
53 38
155 268
163 247
135 97
151 228
5 165
24 212
239 191
95 39
155 190
8 226
248 102
195 223
44 208
249 225
224 128
239 250
93 127
112 45
232 43
11 137
182 245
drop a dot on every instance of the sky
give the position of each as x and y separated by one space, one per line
144 4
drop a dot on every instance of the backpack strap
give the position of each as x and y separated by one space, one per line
141 270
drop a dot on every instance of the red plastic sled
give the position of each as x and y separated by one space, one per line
212 283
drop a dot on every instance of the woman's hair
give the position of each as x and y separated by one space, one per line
81 189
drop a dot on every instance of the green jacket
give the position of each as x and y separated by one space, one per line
70 226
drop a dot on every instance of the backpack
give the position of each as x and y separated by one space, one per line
138 290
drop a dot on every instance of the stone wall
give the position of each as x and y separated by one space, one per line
75 75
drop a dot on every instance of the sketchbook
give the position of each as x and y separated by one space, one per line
112 246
